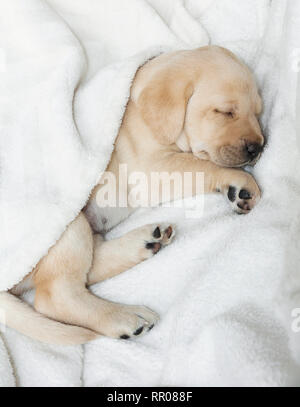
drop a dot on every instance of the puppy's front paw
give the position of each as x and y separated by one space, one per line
243 193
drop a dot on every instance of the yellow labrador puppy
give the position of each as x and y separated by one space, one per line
189 111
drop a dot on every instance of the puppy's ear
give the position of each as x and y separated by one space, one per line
162 104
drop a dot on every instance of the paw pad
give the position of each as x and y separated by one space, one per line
244 206
168 232
231 193
157 233
138 331
244 194
154 246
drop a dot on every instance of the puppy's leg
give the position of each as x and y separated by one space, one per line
112 257
237 185
61 294
72 303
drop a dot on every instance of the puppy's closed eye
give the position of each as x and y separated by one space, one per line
228 113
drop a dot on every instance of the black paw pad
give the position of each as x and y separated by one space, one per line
231 193
154 246
124 337
150 327
244 194
157 233
138 331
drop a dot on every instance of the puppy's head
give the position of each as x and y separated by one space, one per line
205 101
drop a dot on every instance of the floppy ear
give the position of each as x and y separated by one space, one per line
162 104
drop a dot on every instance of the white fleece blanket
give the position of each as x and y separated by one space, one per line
226 288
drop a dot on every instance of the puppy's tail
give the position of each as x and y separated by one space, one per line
16 314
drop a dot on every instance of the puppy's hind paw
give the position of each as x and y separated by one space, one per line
161 235
131 321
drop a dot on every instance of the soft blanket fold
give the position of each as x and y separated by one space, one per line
228 284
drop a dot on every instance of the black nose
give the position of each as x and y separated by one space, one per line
253 149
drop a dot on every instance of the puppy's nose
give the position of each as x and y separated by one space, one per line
253 149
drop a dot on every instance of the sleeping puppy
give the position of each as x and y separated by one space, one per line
189 111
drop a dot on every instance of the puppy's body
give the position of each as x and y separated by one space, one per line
189 111
172 111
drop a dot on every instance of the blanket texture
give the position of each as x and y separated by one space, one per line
228 288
